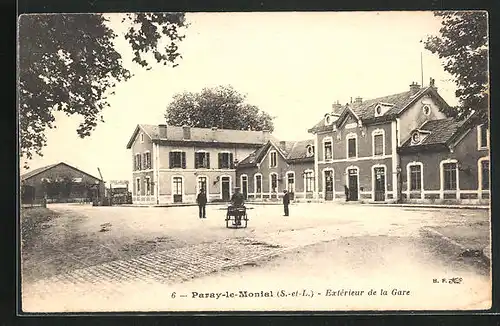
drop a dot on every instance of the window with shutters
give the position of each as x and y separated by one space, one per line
378 142
138 161
352 151
177 160
202 160
147 186
226 160
328 149
137 186
450 176
274 182
146 160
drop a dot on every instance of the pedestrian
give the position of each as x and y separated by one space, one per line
201 200
286 201
346 190
237 205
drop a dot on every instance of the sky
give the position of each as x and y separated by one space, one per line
292 65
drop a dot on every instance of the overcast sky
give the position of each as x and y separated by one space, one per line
292 65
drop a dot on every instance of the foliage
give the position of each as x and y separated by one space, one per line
221 107
463 47
68 63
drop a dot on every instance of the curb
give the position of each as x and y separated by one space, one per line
485 258
478 207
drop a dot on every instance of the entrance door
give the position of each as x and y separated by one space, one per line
379 183
244 186
177 183
225 184
353 184
328 185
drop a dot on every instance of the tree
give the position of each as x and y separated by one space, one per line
463 46
221 107
68 63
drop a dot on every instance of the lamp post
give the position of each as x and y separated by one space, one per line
399 183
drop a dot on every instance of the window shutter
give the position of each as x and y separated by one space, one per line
220 160
183 160
231 161
196 161
170 159
208 160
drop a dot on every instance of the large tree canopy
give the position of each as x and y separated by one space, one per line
69 63
221 107
463 47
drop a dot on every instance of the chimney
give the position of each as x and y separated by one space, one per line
282 143
266 134
358 100
186 132
162 131
414 88
432 83
336 108
214 134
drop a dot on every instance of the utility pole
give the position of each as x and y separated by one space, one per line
422 69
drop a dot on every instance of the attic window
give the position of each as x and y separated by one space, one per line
415 138
142 138
310 150
426 109
378 110
328 120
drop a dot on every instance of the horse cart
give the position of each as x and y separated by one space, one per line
236 217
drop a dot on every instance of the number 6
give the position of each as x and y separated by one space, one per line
173 295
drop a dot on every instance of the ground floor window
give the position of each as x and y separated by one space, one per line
258 184
274 182
177 182
138 186
147 185
309 181
450 176
485 175
291 182
202 183
415 177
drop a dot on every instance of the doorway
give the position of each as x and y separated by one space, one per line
225 188
177 189
328 185
379 186
353 184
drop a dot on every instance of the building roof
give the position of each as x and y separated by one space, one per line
290 150
175 133
365 110
37 171
439 132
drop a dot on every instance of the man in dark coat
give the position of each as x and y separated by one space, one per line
237 201
201 200
286 201
346 190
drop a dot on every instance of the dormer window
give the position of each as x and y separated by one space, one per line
418 136
426 109
415 138
382 108
310 150
328 120
378 110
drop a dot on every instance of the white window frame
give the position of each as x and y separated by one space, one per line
241 183
373 180
408 178
198 184
324 181
325 140
177 151
309 148
347 177
230 185
255 183
377 132
150 160
305 181
441 177
271 159
182 186
480 175
228 158
351 135
423 109
271 183
479 147
287 183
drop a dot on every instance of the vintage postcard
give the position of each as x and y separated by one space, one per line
277 161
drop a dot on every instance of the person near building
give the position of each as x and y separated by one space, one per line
201 200
346 190
286 202
237 201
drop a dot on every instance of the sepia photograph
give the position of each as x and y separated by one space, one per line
254 162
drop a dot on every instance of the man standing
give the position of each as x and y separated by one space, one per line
286 201
237 201
201 200
346 191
